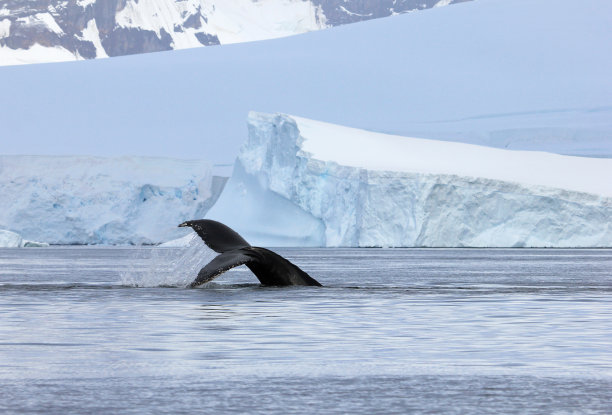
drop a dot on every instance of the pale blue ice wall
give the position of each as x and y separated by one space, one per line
480 71
280 194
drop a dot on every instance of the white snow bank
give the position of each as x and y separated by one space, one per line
10 239
303 182
95 200
35 54
376 151
230 21
244 20
5 28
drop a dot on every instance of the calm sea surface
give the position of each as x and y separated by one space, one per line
457 331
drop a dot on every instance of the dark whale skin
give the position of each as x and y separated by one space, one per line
269 267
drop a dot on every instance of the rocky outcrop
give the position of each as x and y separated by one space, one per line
339 12
88 29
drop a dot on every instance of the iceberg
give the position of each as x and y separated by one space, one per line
98 200
309 183
10 239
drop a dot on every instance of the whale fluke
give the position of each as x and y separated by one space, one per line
216 236
219 265
269 267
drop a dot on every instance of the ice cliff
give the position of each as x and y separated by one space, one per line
96 200
303 182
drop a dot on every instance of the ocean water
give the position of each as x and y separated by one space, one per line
450 331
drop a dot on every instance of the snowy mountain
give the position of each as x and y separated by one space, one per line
60 30
301 182
484 72
96 200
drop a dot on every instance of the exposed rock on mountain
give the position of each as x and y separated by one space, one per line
59 30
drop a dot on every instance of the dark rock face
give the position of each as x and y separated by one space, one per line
128 41
105 12
71 18
208 40
193 21
27 26
340 12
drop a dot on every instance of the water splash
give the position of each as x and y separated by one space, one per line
167 267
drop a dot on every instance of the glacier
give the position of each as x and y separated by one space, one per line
103 200
513 74
308 183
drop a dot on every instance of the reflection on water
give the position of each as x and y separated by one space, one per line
113 330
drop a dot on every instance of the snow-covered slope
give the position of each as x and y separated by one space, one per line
61 30
94 200
486 72
303 182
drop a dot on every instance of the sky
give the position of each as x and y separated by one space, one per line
470 72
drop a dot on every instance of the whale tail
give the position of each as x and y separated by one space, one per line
220 264
269 267
216 236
